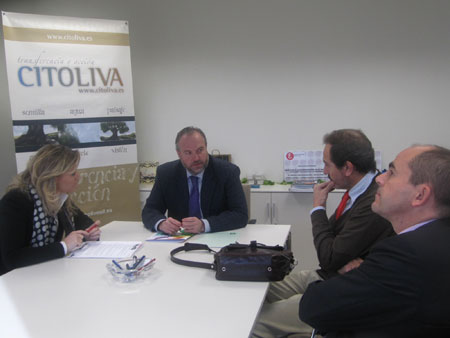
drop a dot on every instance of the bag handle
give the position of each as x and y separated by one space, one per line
191 247
253 246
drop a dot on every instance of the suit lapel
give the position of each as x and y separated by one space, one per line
208 187
183 190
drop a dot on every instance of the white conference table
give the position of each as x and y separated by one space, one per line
79 298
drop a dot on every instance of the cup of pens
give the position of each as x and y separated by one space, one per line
128 270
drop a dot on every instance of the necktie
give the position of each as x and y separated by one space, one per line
342 205
194 199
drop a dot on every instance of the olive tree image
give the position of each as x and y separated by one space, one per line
36 136
115 128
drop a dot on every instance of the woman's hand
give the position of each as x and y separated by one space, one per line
93 232
75 239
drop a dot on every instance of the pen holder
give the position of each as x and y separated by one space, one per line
128 270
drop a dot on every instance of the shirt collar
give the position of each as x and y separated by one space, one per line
62 199
417 226
200 175
360 187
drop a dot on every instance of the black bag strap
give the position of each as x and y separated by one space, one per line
254 245
191 247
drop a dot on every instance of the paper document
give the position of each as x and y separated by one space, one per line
216 239
106 249
161 237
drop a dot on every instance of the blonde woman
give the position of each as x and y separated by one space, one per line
38 220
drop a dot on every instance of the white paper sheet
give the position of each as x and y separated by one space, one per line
106 249
215 239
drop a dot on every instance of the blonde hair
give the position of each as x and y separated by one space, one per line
50 161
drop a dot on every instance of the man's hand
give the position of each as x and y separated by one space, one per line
321 193
170 226
192 225
353 264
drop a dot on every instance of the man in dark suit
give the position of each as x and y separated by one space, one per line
341 241
199 192
402 287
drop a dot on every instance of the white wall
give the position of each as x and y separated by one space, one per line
261 77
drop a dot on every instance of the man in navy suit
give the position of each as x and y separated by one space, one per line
199 192
401 289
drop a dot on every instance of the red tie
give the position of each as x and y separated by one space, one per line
342 205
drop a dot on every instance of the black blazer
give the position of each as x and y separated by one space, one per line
222 197
16 228
402 289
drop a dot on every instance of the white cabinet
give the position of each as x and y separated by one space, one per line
277 205
261 207
144 192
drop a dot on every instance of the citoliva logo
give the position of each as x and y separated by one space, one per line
67 77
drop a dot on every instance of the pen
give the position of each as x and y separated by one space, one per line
92 227
137 263
117 264
147 264
140 262
81 246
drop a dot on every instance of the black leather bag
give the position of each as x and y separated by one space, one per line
243 262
